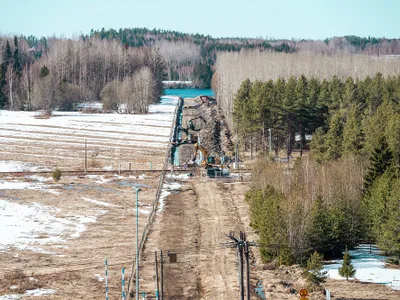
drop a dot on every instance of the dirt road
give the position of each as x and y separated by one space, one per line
193 225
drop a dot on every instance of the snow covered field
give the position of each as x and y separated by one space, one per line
370 267
29 143
68 227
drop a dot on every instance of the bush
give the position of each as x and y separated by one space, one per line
314 274
56 174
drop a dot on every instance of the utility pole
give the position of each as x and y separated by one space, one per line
270 141
242 246
137 243
237 145
241 283
85 155
162 274
246 253
157 287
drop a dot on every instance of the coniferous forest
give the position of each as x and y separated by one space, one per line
346 189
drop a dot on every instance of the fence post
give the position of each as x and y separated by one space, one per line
106 269
328 294
123 284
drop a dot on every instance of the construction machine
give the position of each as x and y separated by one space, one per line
208 100
211 163
191 125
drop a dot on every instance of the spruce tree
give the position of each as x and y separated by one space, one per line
314 269
380 160
352 132
347 269
334 138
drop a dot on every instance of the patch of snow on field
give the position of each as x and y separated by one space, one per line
31 226
166 190
101 203
39 178
179 176
40 292
99 277
35 293
370 267
20 166
24 185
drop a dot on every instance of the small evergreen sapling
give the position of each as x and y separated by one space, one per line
56 175
314 268
347 269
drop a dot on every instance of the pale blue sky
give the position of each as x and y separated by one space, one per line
314 19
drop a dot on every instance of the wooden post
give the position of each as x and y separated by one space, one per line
85 155
162 275
241 287
246 252
130 166
157 287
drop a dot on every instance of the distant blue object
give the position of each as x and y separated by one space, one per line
189 93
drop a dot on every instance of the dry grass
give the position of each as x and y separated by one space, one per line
16 281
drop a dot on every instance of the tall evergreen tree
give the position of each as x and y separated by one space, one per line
352 132
380 160
289 108
334 137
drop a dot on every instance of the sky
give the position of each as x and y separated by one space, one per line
287 19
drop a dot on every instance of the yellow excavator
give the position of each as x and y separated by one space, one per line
211 163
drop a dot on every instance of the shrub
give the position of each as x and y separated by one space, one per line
56 174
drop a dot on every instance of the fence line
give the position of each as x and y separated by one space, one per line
155 202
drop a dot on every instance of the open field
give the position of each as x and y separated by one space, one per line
28 143
56 235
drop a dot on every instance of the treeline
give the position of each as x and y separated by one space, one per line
233 68
315 207
75 71
187 56
348 190
336 113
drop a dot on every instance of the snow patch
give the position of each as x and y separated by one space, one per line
35 293
370 267
20 166
28 227
166 190
101 203
99 277
179 176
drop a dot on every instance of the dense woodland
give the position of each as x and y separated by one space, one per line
347 190
79 68
76 71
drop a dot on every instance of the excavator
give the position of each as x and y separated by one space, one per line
208 100
212 164
191 125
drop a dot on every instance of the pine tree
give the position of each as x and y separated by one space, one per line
380 160
314 269
302 110
241 105
335 89
352 132
44 71
347 269
334 137
289 109
319 229
349 93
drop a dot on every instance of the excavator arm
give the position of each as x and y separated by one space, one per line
198 148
